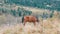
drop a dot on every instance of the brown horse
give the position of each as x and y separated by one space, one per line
30 19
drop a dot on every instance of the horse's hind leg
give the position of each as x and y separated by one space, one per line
24 22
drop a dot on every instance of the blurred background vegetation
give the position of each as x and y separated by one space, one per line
43 4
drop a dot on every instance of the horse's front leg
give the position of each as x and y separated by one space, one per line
34 23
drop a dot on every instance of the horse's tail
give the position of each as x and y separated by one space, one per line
22 19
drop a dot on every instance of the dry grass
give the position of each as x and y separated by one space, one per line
20 29
49 26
